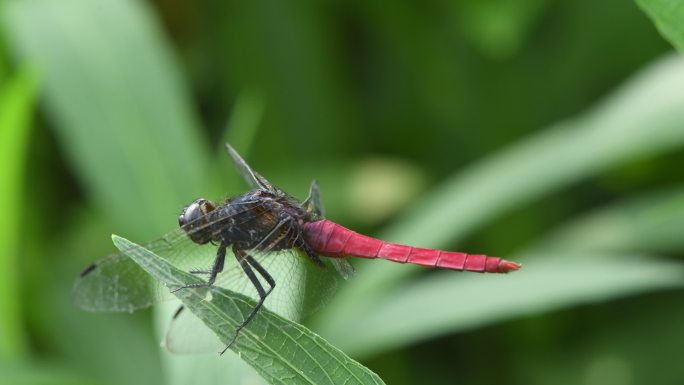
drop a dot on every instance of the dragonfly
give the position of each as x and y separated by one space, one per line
274 239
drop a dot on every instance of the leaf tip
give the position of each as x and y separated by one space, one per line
120 242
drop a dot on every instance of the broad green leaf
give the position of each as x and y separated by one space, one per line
643 118
281 351
17 99
122 112
205 367
668 16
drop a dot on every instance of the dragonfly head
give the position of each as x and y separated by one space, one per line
194 221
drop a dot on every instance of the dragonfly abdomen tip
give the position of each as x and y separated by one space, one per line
508 266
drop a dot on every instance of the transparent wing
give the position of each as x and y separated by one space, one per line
301 289
313 204
187 334
343 267
117 284
253 178
301 286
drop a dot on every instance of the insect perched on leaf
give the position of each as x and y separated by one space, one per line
274 238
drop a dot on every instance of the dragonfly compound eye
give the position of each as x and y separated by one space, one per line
194 221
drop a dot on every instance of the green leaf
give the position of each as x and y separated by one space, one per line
668 16
643 118
17 100
244 122
4 65
649 222
240 131
281 351
122 111
205 367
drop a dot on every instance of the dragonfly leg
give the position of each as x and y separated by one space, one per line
253 263
215 269
247 262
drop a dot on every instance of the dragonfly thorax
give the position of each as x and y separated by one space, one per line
257 219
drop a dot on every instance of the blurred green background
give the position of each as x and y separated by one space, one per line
548 132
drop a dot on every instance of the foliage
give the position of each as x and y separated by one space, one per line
667 16
278 349
16 107
524 129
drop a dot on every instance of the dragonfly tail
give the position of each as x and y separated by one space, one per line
332 240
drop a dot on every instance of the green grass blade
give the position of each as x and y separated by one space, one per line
17 100
651 222
42 373
240 131
668 16
244 122
450 302
643 118
4 65
121 109
281 351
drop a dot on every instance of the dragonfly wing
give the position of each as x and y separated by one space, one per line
296 278
313 203
186 334
117 284
253 179
343 267
301 289
301 286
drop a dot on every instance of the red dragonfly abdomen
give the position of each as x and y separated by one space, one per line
332 240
